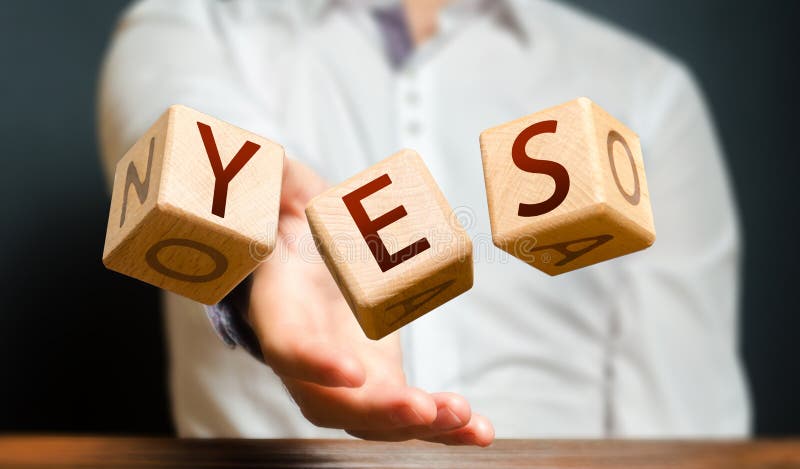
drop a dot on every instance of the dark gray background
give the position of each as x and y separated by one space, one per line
81 348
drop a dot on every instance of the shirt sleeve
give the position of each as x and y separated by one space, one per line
676 366
176 52
228 319
165 53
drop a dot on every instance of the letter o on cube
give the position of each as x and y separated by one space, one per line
566 187
190 200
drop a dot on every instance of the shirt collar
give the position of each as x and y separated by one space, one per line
506 12
503 12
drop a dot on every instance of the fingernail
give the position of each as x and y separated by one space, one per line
446 419
406 416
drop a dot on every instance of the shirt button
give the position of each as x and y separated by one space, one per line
413 128
412 98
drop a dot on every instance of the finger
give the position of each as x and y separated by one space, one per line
314 361
452 412
370 407
478 432
300 184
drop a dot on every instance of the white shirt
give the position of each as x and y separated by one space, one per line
644 345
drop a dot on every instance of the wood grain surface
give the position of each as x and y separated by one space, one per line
435 252
48 451
178 223
566 187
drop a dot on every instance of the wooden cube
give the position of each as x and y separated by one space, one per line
194 205
392 243
566 187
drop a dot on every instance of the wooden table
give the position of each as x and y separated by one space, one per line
47 451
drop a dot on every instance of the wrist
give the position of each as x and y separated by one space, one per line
230 321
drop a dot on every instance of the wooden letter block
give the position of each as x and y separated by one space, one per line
392 243
566 187
195 205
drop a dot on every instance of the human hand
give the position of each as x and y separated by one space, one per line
337 376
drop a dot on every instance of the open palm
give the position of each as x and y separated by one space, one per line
338 377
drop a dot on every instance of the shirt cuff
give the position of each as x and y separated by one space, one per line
228 319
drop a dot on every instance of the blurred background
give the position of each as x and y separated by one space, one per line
81 348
